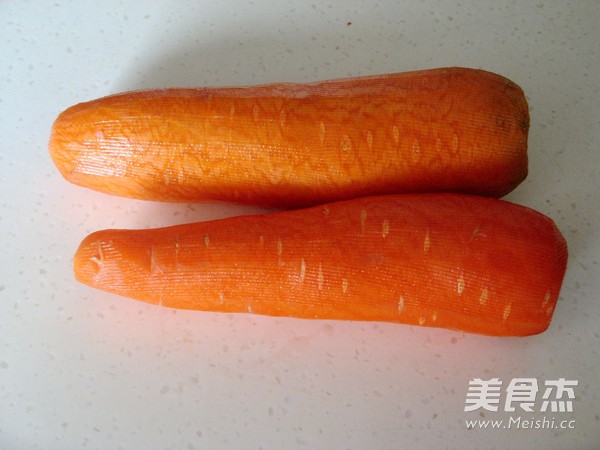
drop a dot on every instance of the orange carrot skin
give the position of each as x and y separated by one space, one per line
292 145
468 263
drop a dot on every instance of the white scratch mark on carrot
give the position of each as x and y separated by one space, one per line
154 264
416 150
549 310
98 258
363 219
396 134
221 298
460 285
320 278
345 285
206 240
483 298
400 305
249 309
385 228
370 140
506 311
346 143
177 249
180 174
546 299
454 143
302 270
421 320
325 211
434 316
280 251
232 110
477 233
426 241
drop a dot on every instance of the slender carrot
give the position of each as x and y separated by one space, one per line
291 145
463 262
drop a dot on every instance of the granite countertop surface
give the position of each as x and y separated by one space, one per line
83 369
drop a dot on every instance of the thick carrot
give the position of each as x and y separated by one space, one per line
469 263
290 145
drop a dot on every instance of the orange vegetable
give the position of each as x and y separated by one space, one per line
463 262
291 145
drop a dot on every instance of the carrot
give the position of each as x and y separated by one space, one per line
463 262
292 145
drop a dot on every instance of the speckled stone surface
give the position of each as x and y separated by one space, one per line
84 369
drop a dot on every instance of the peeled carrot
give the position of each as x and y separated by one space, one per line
463 262
291 145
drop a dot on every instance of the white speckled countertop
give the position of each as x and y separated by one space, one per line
81 369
